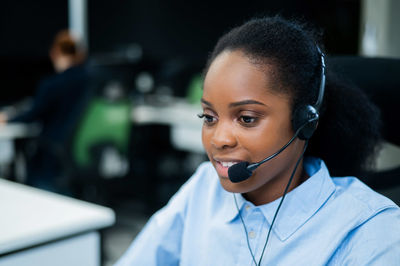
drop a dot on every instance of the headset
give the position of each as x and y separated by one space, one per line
306 116
304 121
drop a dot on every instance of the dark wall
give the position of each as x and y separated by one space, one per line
167 29
27 29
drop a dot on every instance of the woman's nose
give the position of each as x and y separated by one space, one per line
223 136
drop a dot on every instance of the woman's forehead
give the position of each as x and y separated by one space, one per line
233 73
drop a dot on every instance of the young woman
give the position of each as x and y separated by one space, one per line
263 94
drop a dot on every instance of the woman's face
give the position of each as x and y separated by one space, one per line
244 120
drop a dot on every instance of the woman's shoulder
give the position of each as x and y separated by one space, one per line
362 225
351 202
353 191
349 192
371 216
374 234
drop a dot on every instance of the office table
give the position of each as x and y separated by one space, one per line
181 116
18 130
8 134
42 228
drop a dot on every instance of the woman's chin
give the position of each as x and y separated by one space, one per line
229 186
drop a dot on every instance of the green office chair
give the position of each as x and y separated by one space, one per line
99 149
104 122
195 89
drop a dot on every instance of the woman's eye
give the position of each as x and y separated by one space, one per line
208 119
247 119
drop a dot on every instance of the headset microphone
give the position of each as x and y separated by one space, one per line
243 170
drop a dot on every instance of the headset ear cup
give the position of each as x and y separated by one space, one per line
307 118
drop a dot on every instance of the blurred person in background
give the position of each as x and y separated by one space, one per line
56 107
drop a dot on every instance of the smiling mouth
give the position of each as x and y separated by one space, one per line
222 166
228 164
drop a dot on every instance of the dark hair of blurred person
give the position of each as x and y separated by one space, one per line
66 51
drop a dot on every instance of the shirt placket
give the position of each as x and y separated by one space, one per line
254 221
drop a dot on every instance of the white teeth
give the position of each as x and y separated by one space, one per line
228 164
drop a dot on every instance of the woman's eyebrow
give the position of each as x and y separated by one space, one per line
235 104
206 102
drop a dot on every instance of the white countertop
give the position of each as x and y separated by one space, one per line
30 216
18 130
181 116
175 113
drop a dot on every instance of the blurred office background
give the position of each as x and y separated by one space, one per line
138 138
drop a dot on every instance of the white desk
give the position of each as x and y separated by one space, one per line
181 116
10 132
43 228
18 130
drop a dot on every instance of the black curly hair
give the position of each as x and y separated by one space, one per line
348 134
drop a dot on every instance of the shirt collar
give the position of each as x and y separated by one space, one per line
299 205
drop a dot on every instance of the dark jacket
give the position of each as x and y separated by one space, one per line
58 103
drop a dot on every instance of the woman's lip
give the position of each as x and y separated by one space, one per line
227 160
221 170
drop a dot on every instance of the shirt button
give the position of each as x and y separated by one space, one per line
247 207
252 234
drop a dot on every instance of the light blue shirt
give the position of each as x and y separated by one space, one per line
324 221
